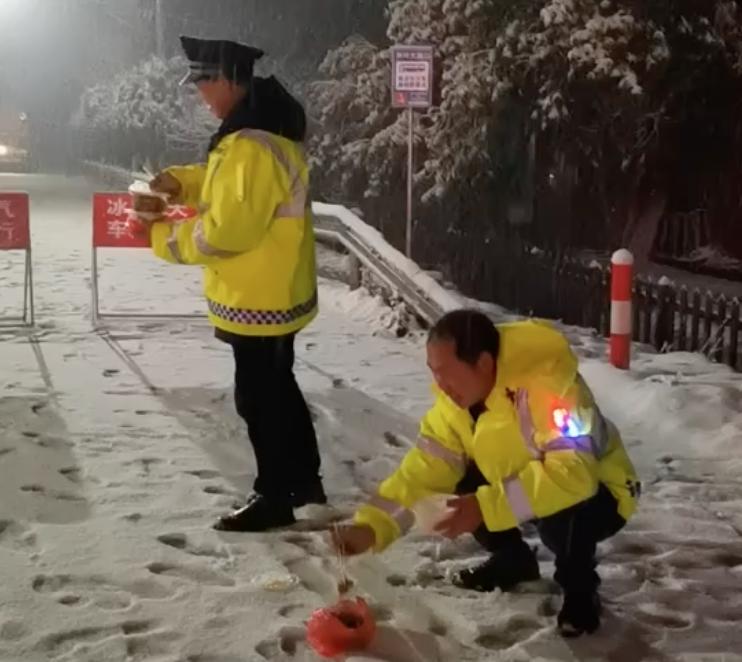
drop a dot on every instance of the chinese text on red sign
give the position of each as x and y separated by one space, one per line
14 222
115 224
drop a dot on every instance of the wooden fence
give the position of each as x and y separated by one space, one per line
665 316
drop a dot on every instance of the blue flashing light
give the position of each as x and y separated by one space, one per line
566 423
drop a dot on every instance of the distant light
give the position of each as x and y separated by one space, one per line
4 151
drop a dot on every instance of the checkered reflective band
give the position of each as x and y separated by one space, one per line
262 317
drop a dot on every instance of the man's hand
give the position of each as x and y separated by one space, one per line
353 539
465 517
164 182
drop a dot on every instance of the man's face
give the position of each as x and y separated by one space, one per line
465 384
220 95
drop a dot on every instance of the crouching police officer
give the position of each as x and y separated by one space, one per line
515 432
254 237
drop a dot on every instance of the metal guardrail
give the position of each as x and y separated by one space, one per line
329 228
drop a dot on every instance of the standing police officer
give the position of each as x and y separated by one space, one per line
254 237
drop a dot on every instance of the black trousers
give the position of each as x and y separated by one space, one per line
278 421
572 535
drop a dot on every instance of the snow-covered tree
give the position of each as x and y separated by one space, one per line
354 98
145 115
589 91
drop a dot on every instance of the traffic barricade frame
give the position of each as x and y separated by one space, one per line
114 223
15 235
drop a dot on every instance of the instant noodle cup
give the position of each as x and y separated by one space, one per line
148 205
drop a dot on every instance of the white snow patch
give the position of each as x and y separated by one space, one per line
109 489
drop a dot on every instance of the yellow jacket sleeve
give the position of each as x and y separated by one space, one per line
564 468
191 178
247 188
435 465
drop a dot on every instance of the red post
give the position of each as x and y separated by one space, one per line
622 266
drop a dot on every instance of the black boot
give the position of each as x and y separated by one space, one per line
260 514
580 614
505 569
313 494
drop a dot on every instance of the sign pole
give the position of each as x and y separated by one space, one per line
29 315
25 290
412 87
94 286
410 175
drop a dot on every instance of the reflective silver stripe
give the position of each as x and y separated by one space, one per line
518 500
527 427
404 517
172 245
436 449
204 247
296 207
600 434
600 431
299 196
582 444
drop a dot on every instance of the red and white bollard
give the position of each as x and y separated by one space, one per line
622 267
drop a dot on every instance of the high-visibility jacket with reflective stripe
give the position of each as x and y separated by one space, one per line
253 234
542 443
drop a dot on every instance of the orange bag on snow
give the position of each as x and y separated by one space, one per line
345 627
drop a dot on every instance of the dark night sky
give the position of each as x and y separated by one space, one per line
51 50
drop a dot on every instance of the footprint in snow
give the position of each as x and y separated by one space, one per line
509 632
180 541
139 638
286 642
393 440
291 610
52 494
73 474
76 590
204 474
16 535
224 491
664 620
191 573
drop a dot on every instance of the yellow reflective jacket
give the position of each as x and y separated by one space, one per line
542 443
253 234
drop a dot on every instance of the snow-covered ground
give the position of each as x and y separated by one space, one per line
118 449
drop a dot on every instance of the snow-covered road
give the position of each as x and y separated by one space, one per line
119 448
